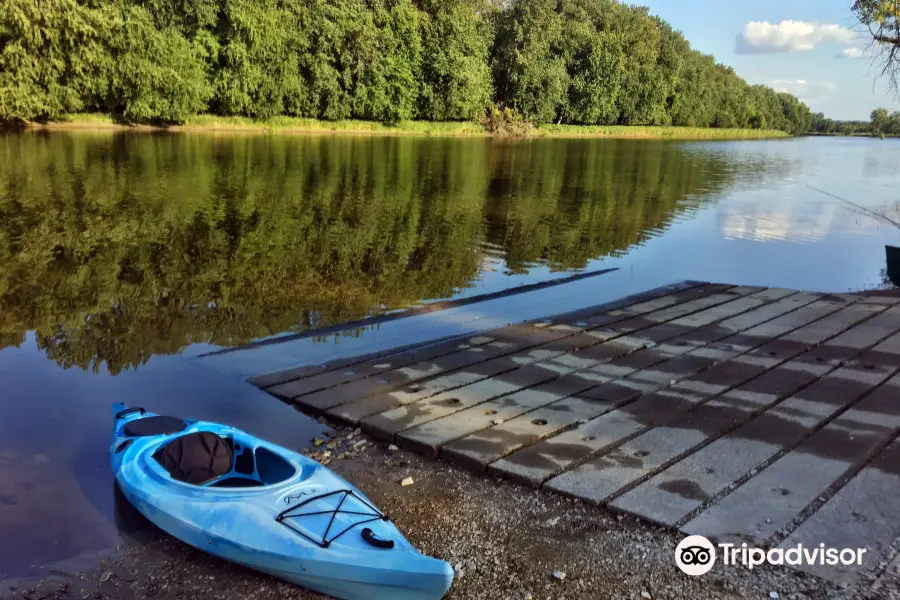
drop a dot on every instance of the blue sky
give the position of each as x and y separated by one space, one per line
814 49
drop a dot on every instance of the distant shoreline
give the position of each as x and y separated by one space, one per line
290 125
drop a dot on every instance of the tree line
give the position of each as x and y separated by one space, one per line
595 62
881 122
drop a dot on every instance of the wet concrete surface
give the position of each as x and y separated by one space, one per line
714 409
56 487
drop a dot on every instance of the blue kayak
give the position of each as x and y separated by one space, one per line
245 500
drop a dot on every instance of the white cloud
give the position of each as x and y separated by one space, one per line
853 52
807 91
761 37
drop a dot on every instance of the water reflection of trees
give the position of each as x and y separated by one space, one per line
115 248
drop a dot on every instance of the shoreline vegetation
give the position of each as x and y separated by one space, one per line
294 125
517 68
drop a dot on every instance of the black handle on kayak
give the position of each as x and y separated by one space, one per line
128 411
374 540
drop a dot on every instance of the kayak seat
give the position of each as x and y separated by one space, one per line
158 425
196 458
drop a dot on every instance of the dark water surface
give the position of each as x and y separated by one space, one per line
119 252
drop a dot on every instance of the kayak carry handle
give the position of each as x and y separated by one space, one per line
369 536
128 411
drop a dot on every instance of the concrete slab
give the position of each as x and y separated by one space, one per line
535 464
867 333
484 447
768 501
589 347
415 390
296 386
519 336
368 406
839 322
660 302
672 495
865 513
779 326
685 308
605 477
429 437
388 379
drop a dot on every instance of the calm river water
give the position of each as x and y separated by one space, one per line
120 251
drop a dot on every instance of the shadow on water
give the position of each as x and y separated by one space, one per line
131 524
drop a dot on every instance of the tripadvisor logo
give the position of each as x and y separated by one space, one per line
696 555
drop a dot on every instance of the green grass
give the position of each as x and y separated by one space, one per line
425 128
100 119
289 124
667 133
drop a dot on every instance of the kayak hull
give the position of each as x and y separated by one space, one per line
309 528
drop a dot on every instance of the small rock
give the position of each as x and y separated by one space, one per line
773 595
646 595
458 567
393 448
318 442
105 577
497 421
768 520
560 575
357 431
527 596
551 522
407 481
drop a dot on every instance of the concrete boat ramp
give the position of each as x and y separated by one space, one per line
746 414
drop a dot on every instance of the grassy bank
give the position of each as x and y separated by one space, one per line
426 128
673 133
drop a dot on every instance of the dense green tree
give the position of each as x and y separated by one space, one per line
456 43
157 74
879 119
892 127
361 60
594 62
54 57
529 67
258 72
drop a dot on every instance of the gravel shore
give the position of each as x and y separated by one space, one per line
505 541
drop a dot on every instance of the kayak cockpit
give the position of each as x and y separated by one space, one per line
208 459
255 467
